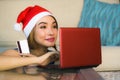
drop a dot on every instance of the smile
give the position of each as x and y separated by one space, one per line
51 39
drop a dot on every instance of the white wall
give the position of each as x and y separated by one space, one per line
67 13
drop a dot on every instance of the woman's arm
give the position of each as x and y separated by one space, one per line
11 59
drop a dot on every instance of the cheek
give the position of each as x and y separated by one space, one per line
39 34
56 33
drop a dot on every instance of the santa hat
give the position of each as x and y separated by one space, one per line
29 18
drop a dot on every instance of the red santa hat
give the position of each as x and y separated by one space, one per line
29 17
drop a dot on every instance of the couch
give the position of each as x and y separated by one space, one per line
104 15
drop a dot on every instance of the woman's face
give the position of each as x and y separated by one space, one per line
45 32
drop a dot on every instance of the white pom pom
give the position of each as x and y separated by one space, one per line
17 27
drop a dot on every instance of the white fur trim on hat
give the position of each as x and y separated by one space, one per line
17 27
28 28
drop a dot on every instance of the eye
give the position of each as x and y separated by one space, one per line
54 26
42 27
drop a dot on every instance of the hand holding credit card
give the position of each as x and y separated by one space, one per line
23 46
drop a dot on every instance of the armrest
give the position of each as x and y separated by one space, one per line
110 58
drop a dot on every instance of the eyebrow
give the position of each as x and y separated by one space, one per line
46 22
42 23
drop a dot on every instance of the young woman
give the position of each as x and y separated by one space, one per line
40 29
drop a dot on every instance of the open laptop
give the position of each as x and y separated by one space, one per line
80 47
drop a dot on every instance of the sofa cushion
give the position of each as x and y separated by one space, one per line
105 16
110 59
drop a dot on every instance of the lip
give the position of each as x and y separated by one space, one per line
50 39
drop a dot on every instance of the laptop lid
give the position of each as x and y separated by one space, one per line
79 47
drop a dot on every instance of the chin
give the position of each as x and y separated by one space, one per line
50 45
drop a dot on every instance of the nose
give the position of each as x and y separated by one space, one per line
50 31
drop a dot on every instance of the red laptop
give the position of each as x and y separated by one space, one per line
80 47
